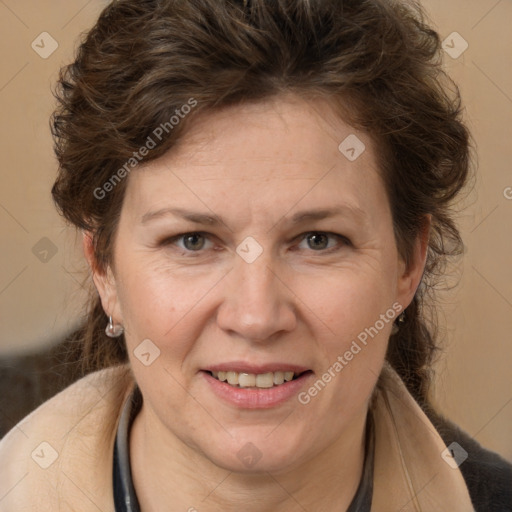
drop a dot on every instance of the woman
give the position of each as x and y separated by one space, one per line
264 190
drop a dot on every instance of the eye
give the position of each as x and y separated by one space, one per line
191 242
320 241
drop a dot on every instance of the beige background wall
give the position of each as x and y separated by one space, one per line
41 271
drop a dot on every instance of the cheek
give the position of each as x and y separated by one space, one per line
350 301
146 293
356 316
166 306
147 304
353 351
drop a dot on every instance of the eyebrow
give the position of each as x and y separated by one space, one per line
304 216
345 210
196 217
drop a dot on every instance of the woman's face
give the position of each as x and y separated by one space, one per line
289 265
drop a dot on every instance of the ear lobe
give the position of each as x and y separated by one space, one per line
410 276
103 278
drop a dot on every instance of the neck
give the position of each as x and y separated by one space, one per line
167 471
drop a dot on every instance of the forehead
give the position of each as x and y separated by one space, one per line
274 154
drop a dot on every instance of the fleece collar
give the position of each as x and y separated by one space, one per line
59 458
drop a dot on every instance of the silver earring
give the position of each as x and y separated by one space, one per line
113 331
401 319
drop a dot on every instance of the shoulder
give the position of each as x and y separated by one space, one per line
488 476
61 452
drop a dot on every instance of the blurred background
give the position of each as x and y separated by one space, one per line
44 283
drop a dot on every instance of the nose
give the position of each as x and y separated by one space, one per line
257 304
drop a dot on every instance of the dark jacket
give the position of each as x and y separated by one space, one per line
488 476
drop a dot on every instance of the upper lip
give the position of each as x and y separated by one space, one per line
243 367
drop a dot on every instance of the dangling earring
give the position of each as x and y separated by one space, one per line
113 331
401 319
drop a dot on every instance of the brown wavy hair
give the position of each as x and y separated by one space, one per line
378 62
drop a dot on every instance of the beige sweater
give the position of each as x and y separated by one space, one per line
59 458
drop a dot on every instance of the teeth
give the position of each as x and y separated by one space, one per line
264 380
250 380
232 378
246 380
278 378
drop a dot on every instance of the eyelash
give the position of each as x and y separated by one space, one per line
345 241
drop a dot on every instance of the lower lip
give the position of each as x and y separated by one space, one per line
257 398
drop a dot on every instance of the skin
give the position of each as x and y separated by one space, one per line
255 166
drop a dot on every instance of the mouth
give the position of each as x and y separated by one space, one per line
257 380
252 386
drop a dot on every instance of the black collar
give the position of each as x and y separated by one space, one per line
125 499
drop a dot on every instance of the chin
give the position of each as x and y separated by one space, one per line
253 454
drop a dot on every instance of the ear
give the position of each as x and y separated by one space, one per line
103 280
409 276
